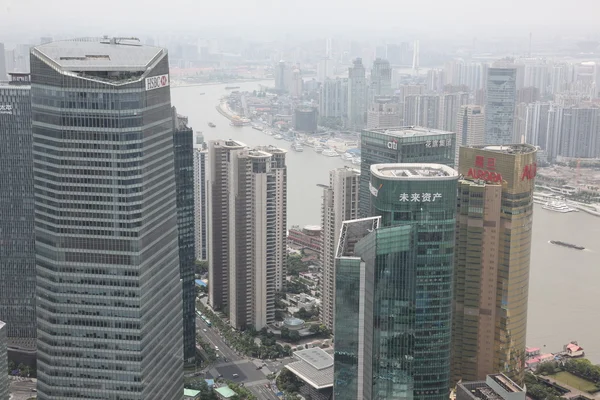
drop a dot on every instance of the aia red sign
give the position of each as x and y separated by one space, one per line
529 171
488 176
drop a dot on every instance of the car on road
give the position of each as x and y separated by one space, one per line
235 375
259 367
204 329
217 348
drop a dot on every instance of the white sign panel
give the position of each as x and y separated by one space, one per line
373 189
6 109
157 82
418 197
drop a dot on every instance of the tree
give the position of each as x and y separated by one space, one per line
285 333
201 267
294 336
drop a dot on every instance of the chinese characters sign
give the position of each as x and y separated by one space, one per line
484 170
419 197
6 109
439 143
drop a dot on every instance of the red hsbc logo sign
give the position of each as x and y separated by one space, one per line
529 171
157 82
487 176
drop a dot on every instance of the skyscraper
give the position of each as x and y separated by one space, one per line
17 231
4 395
357 94
493 247
381 79
401 145
247 231
283 76
422 110
500 105
394 288
109 298
450 103
200 199
340 203
580 132
2 62
470 127
183 145
333 99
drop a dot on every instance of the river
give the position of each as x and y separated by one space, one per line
563 298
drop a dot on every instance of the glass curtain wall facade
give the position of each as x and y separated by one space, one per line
404 271
501 95
401 145
183 145
108 284
4 395
17 232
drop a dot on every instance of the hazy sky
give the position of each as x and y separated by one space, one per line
440 17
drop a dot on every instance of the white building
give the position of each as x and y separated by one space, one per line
384 113
324 69
450 103
333 98
247 231
340 203
296 83
381 79
470 127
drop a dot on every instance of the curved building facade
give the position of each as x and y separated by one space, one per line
493 251
109 297
402 267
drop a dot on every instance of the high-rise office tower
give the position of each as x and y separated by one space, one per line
340 203
183 145
325 69
200 199
401 145
493 247
333 98
357 95
394 287
470 127
500 105
283 75
2 62
17 231
247 230
4 394
384 113
381 79
109 308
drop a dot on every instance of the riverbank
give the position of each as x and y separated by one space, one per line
544 197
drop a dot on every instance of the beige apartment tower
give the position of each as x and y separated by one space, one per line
340 203
247 200
493 247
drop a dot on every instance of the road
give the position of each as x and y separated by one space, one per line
22 388
230 363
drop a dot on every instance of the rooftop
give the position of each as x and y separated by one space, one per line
191 393
409 131
315 367
509 148
100 54
413 172
225 392
506 383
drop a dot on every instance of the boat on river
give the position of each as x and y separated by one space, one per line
565 244
211 125
330 153
297 147
558 206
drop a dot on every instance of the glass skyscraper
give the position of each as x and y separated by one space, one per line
501 96
17 233
399 345
401 145
183 144
109 299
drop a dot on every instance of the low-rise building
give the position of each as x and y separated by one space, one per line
495 387
315 369
308 237
225 392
